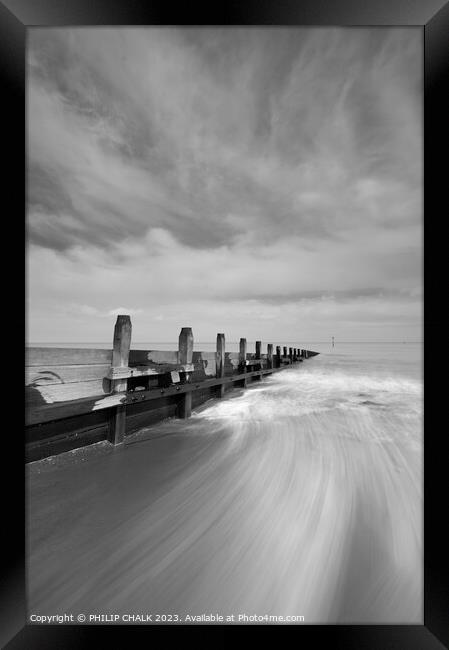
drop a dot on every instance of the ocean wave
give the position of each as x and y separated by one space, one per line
300 495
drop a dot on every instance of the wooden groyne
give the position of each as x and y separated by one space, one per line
76 397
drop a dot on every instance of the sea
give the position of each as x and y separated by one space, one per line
298 500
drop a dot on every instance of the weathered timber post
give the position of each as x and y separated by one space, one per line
258 355
242 360
306 353
185 346
290 354
269 355
220 361
295 354
278 356
185 354
120 359
242 355
285 350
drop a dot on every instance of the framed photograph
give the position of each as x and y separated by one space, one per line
223 236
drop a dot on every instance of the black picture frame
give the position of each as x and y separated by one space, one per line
433 16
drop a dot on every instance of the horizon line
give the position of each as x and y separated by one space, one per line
236 341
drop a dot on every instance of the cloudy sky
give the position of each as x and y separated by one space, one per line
260 182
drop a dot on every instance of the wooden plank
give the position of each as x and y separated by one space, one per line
145 371
177 390
161 402
59 444
232 362
203 356
36 356
36 414
252 357
148 357
138 421
67 426
208 361
46 375
39 395
128 372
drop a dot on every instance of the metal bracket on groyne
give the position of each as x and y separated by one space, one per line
80 396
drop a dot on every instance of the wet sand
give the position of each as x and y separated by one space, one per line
238 510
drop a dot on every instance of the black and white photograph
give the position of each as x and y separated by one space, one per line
224 382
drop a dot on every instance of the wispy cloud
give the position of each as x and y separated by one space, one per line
88 310
202 166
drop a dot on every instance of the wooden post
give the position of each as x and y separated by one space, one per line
185 346
185 354
242 360
270 355
295 354
220 360
285 350
120 358
258 355
306 353
242 355
278 356
185 405
290 354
